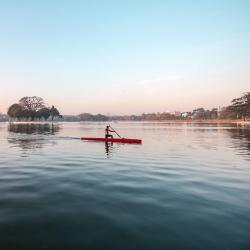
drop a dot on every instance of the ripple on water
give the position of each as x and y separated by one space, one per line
185 187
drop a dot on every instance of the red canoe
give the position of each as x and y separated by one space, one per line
122 140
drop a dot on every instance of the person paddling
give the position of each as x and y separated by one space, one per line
107 130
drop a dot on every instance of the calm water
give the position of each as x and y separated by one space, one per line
185 187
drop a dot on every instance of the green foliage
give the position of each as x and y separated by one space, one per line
32 108
15 111
71 118
43 113
90 117
241 106
32 103
54 112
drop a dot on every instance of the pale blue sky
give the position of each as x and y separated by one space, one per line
123 57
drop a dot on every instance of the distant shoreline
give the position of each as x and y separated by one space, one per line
209 121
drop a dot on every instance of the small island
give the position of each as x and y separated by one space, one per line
31 108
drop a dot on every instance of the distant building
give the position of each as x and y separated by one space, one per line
3 118
186 114
175 113
198 113
221 110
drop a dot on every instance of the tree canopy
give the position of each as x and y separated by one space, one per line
32 103
15 110
90 117
241 106
54 112
32 108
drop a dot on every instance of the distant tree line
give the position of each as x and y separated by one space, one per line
90 117
239 109
32 108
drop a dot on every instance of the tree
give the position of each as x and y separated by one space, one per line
43 113
214 113
241 106
91 117
31 105
199 113
54 112
15 111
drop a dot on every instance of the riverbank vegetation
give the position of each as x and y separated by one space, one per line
239 109
32 108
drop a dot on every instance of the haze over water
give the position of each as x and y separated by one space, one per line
185 187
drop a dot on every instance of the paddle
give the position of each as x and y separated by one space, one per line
115 132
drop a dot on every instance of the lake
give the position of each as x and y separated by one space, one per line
185 187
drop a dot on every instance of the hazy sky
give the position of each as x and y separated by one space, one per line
124 57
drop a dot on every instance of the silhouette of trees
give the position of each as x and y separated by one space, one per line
32 108
15 111
54 112
241 106
43 113
90 117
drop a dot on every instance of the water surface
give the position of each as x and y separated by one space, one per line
185 187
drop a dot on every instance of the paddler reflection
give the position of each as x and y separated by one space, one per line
108 148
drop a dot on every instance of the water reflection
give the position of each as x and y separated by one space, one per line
30 144
241 137
31 137
108 148
179 182
32 128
